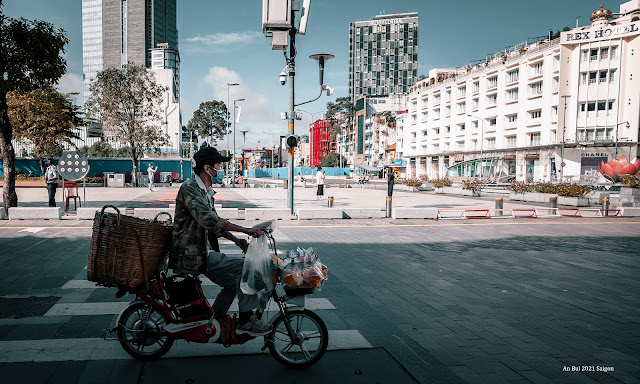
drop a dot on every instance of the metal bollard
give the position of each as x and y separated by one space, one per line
499 207
553 203
605 206
389 203
330 201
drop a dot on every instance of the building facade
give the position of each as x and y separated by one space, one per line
143 32
539 111
383 55
320 141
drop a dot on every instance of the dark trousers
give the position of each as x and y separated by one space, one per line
51 188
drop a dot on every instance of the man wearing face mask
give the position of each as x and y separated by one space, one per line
195 249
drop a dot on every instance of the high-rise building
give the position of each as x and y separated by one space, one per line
117 32
383 55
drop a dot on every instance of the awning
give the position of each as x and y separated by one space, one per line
390 148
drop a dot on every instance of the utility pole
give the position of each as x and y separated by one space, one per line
564 127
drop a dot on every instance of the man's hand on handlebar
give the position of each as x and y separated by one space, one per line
254 231
242 244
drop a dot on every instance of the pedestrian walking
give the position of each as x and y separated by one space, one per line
51 178
391 179
320 183
151 172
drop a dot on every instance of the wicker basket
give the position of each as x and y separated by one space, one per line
126 251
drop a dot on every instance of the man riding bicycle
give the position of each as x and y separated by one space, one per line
195 249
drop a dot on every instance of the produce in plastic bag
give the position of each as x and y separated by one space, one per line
256 271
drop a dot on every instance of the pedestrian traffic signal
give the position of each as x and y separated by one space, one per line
292 141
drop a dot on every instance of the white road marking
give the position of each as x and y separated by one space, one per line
32 230
114 308
18 351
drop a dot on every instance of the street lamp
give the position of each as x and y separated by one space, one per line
564 128
481 142
233 184
616 144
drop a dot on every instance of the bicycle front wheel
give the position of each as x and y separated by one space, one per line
308 344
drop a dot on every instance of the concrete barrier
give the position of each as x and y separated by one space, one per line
361 213
150 213
31 213
267 214
228 213
89 213
319 213
1 213
624 211
414 213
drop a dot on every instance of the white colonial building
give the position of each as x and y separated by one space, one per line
536 111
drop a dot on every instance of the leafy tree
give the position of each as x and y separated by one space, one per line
333 160
341 113
100 149
30 58
127 101
44 118
209 120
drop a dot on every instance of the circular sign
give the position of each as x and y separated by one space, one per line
73 166
563 164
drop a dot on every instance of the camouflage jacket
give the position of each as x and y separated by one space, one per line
196 222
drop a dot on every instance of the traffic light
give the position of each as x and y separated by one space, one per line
292 141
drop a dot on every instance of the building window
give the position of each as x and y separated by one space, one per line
492 82
462 91
512 94
447 111
612 75
536 89
536 69
535 114
510 141
604 53
603 77
437 130
594 55
475 124
554 111
493 122
490 143
512 118
474 104
436 112
448 128
462 107
461 127
492 99
614 49
534 138
460 144
425 115
583 78
513 76
584 55
476 86
436 99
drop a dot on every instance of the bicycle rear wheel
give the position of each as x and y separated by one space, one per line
141 334
308 345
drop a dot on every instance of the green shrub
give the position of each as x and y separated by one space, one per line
631 181
572 190
520 187
545 188
472 184
412 182
440 183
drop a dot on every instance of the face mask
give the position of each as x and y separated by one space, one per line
217 179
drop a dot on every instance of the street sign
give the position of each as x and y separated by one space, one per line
73 166
563 164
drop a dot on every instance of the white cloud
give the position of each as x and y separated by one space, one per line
70 83
220 40
258 112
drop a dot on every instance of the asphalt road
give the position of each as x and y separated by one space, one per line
501 301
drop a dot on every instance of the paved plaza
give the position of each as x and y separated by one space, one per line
448 301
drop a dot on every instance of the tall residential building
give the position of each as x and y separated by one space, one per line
117 32
383 55
544 111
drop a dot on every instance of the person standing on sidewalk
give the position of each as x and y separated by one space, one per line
151 172
320 182
51 177
195 248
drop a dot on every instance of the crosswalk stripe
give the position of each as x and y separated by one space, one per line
17 351
114 308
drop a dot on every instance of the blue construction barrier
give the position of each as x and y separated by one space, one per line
283 172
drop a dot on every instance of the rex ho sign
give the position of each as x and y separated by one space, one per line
593 34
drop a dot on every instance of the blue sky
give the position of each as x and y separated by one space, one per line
222 42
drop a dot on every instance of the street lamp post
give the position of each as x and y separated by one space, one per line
616 143
233 184
481 143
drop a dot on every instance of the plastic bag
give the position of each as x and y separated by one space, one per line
256 271
304 269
